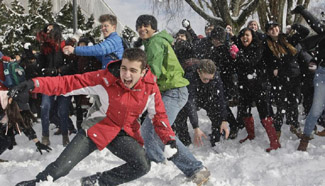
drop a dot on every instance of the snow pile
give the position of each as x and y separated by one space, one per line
237 164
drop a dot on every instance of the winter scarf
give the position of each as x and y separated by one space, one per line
282 47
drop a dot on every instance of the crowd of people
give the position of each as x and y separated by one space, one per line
141 98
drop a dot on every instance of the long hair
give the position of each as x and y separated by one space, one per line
51 40
255 41
282 47
20 119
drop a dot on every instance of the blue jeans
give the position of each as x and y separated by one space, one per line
174 101
318 101
63 113
123 146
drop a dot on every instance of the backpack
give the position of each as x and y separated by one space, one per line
126 44
14 74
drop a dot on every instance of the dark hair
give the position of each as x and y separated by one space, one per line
270 24
255 40
186 33
136 54
207 25
24 119
218 33
108 17
207 66
56 32
147 20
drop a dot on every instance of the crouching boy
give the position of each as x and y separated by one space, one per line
125 89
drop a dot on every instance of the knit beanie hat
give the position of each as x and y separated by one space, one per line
146 20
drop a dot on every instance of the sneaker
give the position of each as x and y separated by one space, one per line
27 183
201 177
46 140
91 180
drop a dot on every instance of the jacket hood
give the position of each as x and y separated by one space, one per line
163 34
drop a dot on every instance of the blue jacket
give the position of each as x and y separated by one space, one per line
108 50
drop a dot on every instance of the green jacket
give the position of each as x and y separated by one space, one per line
163 61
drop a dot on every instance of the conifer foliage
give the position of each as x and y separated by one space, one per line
18 26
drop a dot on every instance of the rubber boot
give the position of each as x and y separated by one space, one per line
303 143
278 135
271 133
249 125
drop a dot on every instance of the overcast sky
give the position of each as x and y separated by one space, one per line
128 11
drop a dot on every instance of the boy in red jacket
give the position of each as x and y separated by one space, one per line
124 91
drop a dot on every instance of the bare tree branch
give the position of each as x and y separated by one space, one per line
203 14
247 12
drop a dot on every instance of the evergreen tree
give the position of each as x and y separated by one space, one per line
4 15
34 21
65 16
45 11
16 28
91 30
81 19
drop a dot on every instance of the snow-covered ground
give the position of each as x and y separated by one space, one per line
235 165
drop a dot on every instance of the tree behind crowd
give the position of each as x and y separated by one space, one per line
18 26
235 12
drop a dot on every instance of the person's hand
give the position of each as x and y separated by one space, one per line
229 30
67 50
170 149
20 93
312 66
40 146
186 23
275 72
198 134
224 129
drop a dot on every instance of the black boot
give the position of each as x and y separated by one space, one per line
27 183
91 180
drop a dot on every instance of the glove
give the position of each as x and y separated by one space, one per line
170 150
298 9
20 93
41 147
233 51
137 43
49 71
186 23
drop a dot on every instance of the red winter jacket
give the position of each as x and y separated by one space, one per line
119 107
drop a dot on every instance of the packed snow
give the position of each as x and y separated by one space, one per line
230 163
